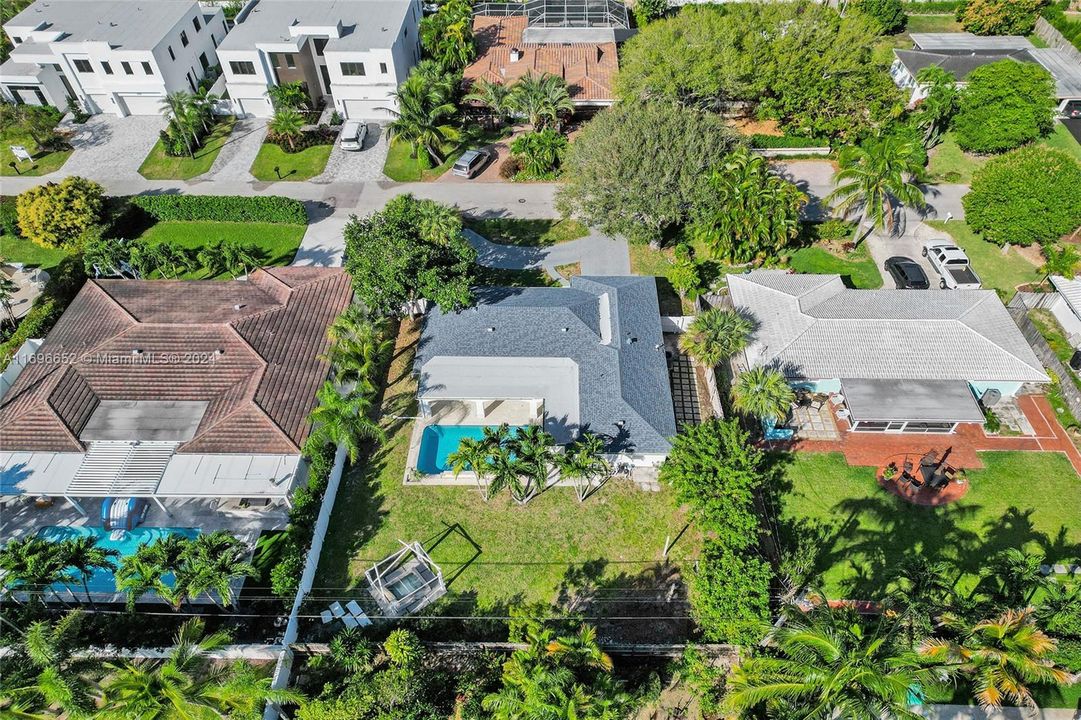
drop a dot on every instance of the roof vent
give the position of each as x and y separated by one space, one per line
136 351
515 54
219 351
491 329
238 307
566 329
631 340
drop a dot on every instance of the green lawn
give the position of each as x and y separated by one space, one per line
159 166
1019 499
529 233
278 243
514 278
400 167
932 24
44 162
997 271
1062 139
292 167
496 553
18 250
949 163
857 271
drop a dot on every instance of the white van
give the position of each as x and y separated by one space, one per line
353 134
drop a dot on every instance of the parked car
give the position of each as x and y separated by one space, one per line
907 273
353 134
1072 109
471 163
952 264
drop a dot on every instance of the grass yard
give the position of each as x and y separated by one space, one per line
949 163
400 167
535 277
528 233
159 166
18 250
932 24
44 162
997 271
292 167
1062 139
1019 499
492 554
857 271
278 243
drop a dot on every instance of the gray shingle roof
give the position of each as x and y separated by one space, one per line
623 380
123 24
968 41
814 327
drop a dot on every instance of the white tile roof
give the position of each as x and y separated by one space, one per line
814 327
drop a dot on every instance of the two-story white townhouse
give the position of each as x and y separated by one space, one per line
112 56
352 54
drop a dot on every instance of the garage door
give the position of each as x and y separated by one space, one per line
140 104
368 109
253 107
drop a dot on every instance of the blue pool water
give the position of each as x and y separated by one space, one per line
102 581
439 441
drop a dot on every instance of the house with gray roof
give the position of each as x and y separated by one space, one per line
587 357
903 360
961 53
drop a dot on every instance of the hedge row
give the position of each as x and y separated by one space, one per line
223 208
785 141
915 7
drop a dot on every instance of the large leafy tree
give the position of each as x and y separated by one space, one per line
1000 17
1004 105
763 393
730 594
716 335
1028 196
829 664
747 211
425 109
394 263
541 99
1001 657
636 168
447 34
58 214
876 177
888 14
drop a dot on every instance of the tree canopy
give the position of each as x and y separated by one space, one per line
636 168
1000 17
401 254
1005 105
58 214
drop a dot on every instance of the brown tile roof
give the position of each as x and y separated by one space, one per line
250 348
588 68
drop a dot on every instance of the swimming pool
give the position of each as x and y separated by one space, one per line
439 441
102 581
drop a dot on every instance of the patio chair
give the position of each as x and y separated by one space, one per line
350 621
907 466
337 609
354 608
327 616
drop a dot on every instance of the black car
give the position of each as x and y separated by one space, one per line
907 274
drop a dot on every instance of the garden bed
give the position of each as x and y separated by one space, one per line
161 166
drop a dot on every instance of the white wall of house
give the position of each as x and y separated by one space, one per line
1008 389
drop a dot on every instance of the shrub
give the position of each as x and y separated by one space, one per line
223 208
1005 105
730 595
1026 196
320 135
646 11
832 230
57 214
787 141
9 216
510 167
64 282
919 7
1000 17
540 152
888 14
285 576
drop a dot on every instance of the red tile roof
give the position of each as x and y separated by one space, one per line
250 348
588 68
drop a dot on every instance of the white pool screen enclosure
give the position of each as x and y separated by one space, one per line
406 582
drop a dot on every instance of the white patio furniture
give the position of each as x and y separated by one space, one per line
327 616
350 621
354 608
336 608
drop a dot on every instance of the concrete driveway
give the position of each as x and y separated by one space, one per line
110 147
239 151
909 245
365 165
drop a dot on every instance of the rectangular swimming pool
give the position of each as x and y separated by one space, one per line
439 441
102 581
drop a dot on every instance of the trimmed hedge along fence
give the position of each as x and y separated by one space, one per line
223 208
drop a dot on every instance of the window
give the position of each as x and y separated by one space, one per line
213 39
183 38
83 66
383 68
16 39
127 68
204 62
107 68
147 69
290 60
195 22
321 45
242 67
352 69
191 83
172 55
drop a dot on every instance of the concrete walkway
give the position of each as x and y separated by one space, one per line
964 712
599 255
238 153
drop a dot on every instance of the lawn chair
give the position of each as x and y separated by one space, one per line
337 609
354 608
350 621
327 616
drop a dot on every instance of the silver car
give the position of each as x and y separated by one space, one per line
470 163
353 134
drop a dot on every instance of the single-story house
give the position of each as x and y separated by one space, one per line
586 357
903 360
170 390
961 53
1065 305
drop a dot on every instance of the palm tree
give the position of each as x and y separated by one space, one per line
287 123
921 588
875 175
716 335
177 107
935 111
142 572
211 563
421 117
437 223
828 665
582 463
532 450
1060 608
344 420
1013 576
1001 657
58 679
169 258
356 344
8 288
239 258
580 650
36 566
472 454
504 472
1060 260
540 99
684 274
83 555
494 96
763 393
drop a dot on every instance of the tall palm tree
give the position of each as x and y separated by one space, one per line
356 344
873 177
212 562
437 223
1060 259
287 123
716 335
763 393
494 96
84 556
8 288
921 588
36 566
1001 657
582 463
504 472
344 419
422 117
471 454
825 665
533 452
540 99
58 679
142 572
176 106
936 110
169 258
1013 576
